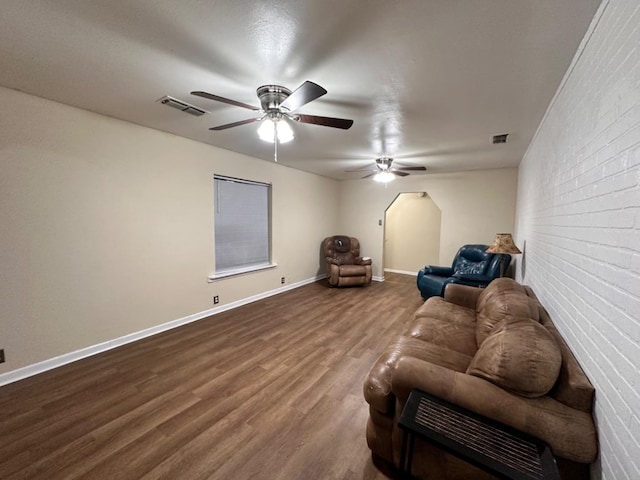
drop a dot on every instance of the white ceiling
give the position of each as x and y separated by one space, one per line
428 82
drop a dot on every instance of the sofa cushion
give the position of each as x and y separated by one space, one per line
521 356
499 285
453 335
438 307
503 305
352 270
437 354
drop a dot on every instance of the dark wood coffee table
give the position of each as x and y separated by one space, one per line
496 448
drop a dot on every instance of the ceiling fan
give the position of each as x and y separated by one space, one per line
383 172
276 104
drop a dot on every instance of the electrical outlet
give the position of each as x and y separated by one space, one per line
216 300
2 355
282 280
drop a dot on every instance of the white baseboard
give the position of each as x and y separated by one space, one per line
400 271
34 369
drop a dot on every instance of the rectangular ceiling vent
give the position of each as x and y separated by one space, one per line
500 138
180 105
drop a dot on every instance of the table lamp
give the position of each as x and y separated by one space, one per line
503 243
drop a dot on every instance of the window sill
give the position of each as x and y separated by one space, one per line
240 271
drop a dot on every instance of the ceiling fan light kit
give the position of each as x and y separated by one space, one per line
384 177
274 130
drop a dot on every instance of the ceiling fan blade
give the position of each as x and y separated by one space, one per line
236 124
372 168
305 93
411 169
398 172
326 121
370 175
217 98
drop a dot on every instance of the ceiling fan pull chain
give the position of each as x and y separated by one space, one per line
275 144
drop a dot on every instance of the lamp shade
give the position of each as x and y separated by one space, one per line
503 243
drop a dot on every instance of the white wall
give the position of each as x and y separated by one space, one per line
475 205
411 233
579 224
106 228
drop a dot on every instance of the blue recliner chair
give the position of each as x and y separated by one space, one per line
471 266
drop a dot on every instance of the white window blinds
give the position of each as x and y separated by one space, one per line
241 224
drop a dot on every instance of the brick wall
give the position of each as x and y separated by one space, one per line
578 222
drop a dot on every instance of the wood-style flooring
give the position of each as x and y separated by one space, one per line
270 390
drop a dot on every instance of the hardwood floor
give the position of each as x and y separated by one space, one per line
270 390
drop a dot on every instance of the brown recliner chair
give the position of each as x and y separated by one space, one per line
345 266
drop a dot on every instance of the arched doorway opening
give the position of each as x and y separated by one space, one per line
411 233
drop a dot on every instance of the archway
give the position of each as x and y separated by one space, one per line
411 233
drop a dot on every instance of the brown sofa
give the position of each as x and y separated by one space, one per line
496 352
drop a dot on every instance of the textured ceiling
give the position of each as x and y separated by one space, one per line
428 82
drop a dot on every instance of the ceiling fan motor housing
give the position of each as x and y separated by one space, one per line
384 163
272 96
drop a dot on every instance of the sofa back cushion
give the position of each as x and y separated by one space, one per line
502 305
521 356
497 286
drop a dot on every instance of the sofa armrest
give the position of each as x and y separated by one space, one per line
440 271
462 295
377 388
362 261
570 433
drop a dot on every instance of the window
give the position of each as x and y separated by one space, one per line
241 225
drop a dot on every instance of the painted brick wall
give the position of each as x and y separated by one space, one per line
578 222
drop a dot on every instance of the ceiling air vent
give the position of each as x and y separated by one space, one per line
500 138
180 105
